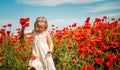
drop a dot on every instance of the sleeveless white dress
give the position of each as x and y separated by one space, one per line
43 61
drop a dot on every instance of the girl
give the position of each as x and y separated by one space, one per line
42 46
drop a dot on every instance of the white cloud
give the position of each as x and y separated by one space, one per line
1 22
54 2
112 14
4 22
60 23
105 6
108 14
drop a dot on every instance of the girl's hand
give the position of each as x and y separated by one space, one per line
48 54
49 51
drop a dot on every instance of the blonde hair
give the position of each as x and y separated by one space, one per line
41 19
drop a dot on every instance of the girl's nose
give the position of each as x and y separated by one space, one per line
39 28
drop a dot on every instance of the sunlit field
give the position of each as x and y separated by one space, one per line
92 46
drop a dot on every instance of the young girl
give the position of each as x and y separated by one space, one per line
42 46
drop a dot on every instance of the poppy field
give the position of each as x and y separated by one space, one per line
92 46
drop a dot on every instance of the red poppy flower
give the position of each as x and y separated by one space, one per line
109 64
104 17
112 18
118 57
24 21
53 25
73 61
9 25
69 47
25 58
2 32
97 19
17 50
110 56
74 25
8 33
84 68
33 57
18 29
87 20
99 61
90 68
4 26
1 58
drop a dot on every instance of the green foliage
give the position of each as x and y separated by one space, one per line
14 60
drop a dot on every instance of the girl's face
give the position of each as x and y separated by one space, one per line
40 27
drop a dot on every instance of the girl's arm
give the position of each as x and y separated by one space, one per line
26 32
23 32
50 42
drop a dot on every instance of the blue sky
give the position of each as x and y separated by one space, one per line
59 12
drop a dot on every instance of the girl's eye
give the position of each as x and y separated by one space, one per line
40 27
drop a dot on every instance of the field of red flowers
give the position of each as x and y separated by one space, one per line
92 46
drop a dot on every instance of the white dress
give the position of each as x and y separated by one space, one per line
43 61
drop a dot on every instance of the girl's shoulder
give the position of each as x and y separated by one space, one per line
44 32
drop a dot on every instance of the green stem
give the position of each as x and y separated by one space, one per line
22 36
